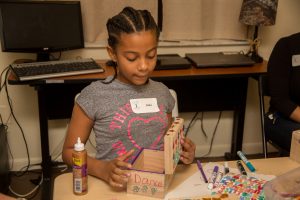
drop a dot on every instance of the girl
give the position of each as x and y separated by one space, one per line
128 111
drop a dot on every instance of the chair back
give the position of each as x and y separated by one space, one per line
265 85
175 109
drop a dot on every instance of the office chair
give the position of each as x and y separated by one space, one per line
264 92
175 109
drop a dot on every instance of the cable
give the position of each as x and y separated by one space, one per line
190 124
29 193
35 189
202 125
14 117
213 136
2 85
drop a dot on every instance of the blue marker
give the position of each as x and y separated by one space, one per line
246 161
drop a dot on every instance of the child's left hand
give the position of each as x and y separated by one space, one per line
188 151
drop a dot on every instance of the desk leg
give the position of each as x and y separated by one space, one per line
238 123
46 158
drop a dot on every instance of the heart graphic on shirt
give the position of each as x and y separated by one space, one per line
143 136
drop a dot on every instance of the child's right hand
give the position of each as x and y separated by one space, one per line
117 173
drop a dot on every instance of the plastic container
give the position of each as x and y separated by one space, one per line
80 176
284 187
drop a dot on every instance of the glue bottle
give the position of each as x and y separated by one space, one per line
79 157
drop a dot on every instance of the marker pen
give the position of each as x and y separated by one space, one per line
246 161
219 178
212 178
241 168
226 168
201 171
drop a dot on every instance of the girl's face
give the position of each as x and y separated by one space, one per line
135 55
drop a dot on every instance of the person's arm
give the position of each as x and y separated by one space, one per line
5 197
110 171
296 115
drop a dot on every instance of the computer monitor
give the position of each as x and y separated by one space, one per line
40 27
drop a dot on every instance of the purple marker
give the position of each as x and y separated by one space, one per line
213 177
201 171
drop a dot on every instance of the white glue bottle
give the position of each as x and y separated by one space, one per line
80 176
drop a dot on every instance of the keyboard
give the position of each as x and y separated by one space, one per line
50 69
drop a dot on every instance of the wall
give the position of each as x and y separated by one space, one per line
24 100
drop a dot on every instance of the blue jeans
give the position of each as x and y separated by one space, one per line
279 129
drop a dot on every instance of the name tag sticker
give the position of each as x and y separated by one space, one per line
145 105
296 60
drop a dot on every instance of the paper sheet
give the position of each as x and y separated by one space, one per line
195 186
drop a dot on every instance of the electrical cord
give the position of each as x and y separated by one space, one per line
17 122
202 125
31 194
2 85
190 124
194 119
35 189
213 135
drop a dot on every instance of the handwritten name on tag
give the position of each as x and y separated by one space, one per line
144 105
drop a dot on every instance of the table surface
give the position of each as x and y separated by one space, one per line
100 190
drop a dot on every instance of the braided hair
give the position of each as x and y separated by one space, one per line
129 20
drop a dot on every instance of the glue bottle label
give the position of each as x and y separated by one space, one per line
79 173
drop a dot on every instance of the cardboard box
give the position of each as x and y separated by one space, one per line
153 170
295 146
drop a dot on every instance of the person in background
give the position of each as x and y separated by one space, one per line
127 111
284 88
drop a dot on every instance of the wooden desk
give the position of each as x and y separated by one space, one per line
100 190
213 89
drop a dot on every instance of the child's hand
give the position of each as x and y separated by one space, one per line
188 151
117 173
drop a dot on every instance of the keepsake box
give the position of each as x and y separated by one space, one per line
152 170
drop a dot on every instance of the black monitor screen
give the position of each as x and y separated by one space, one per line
41 26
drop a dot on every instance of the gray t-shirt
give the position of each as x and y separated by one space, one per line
117 127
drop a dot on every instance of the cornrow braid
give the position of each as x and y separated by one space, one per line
129 20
